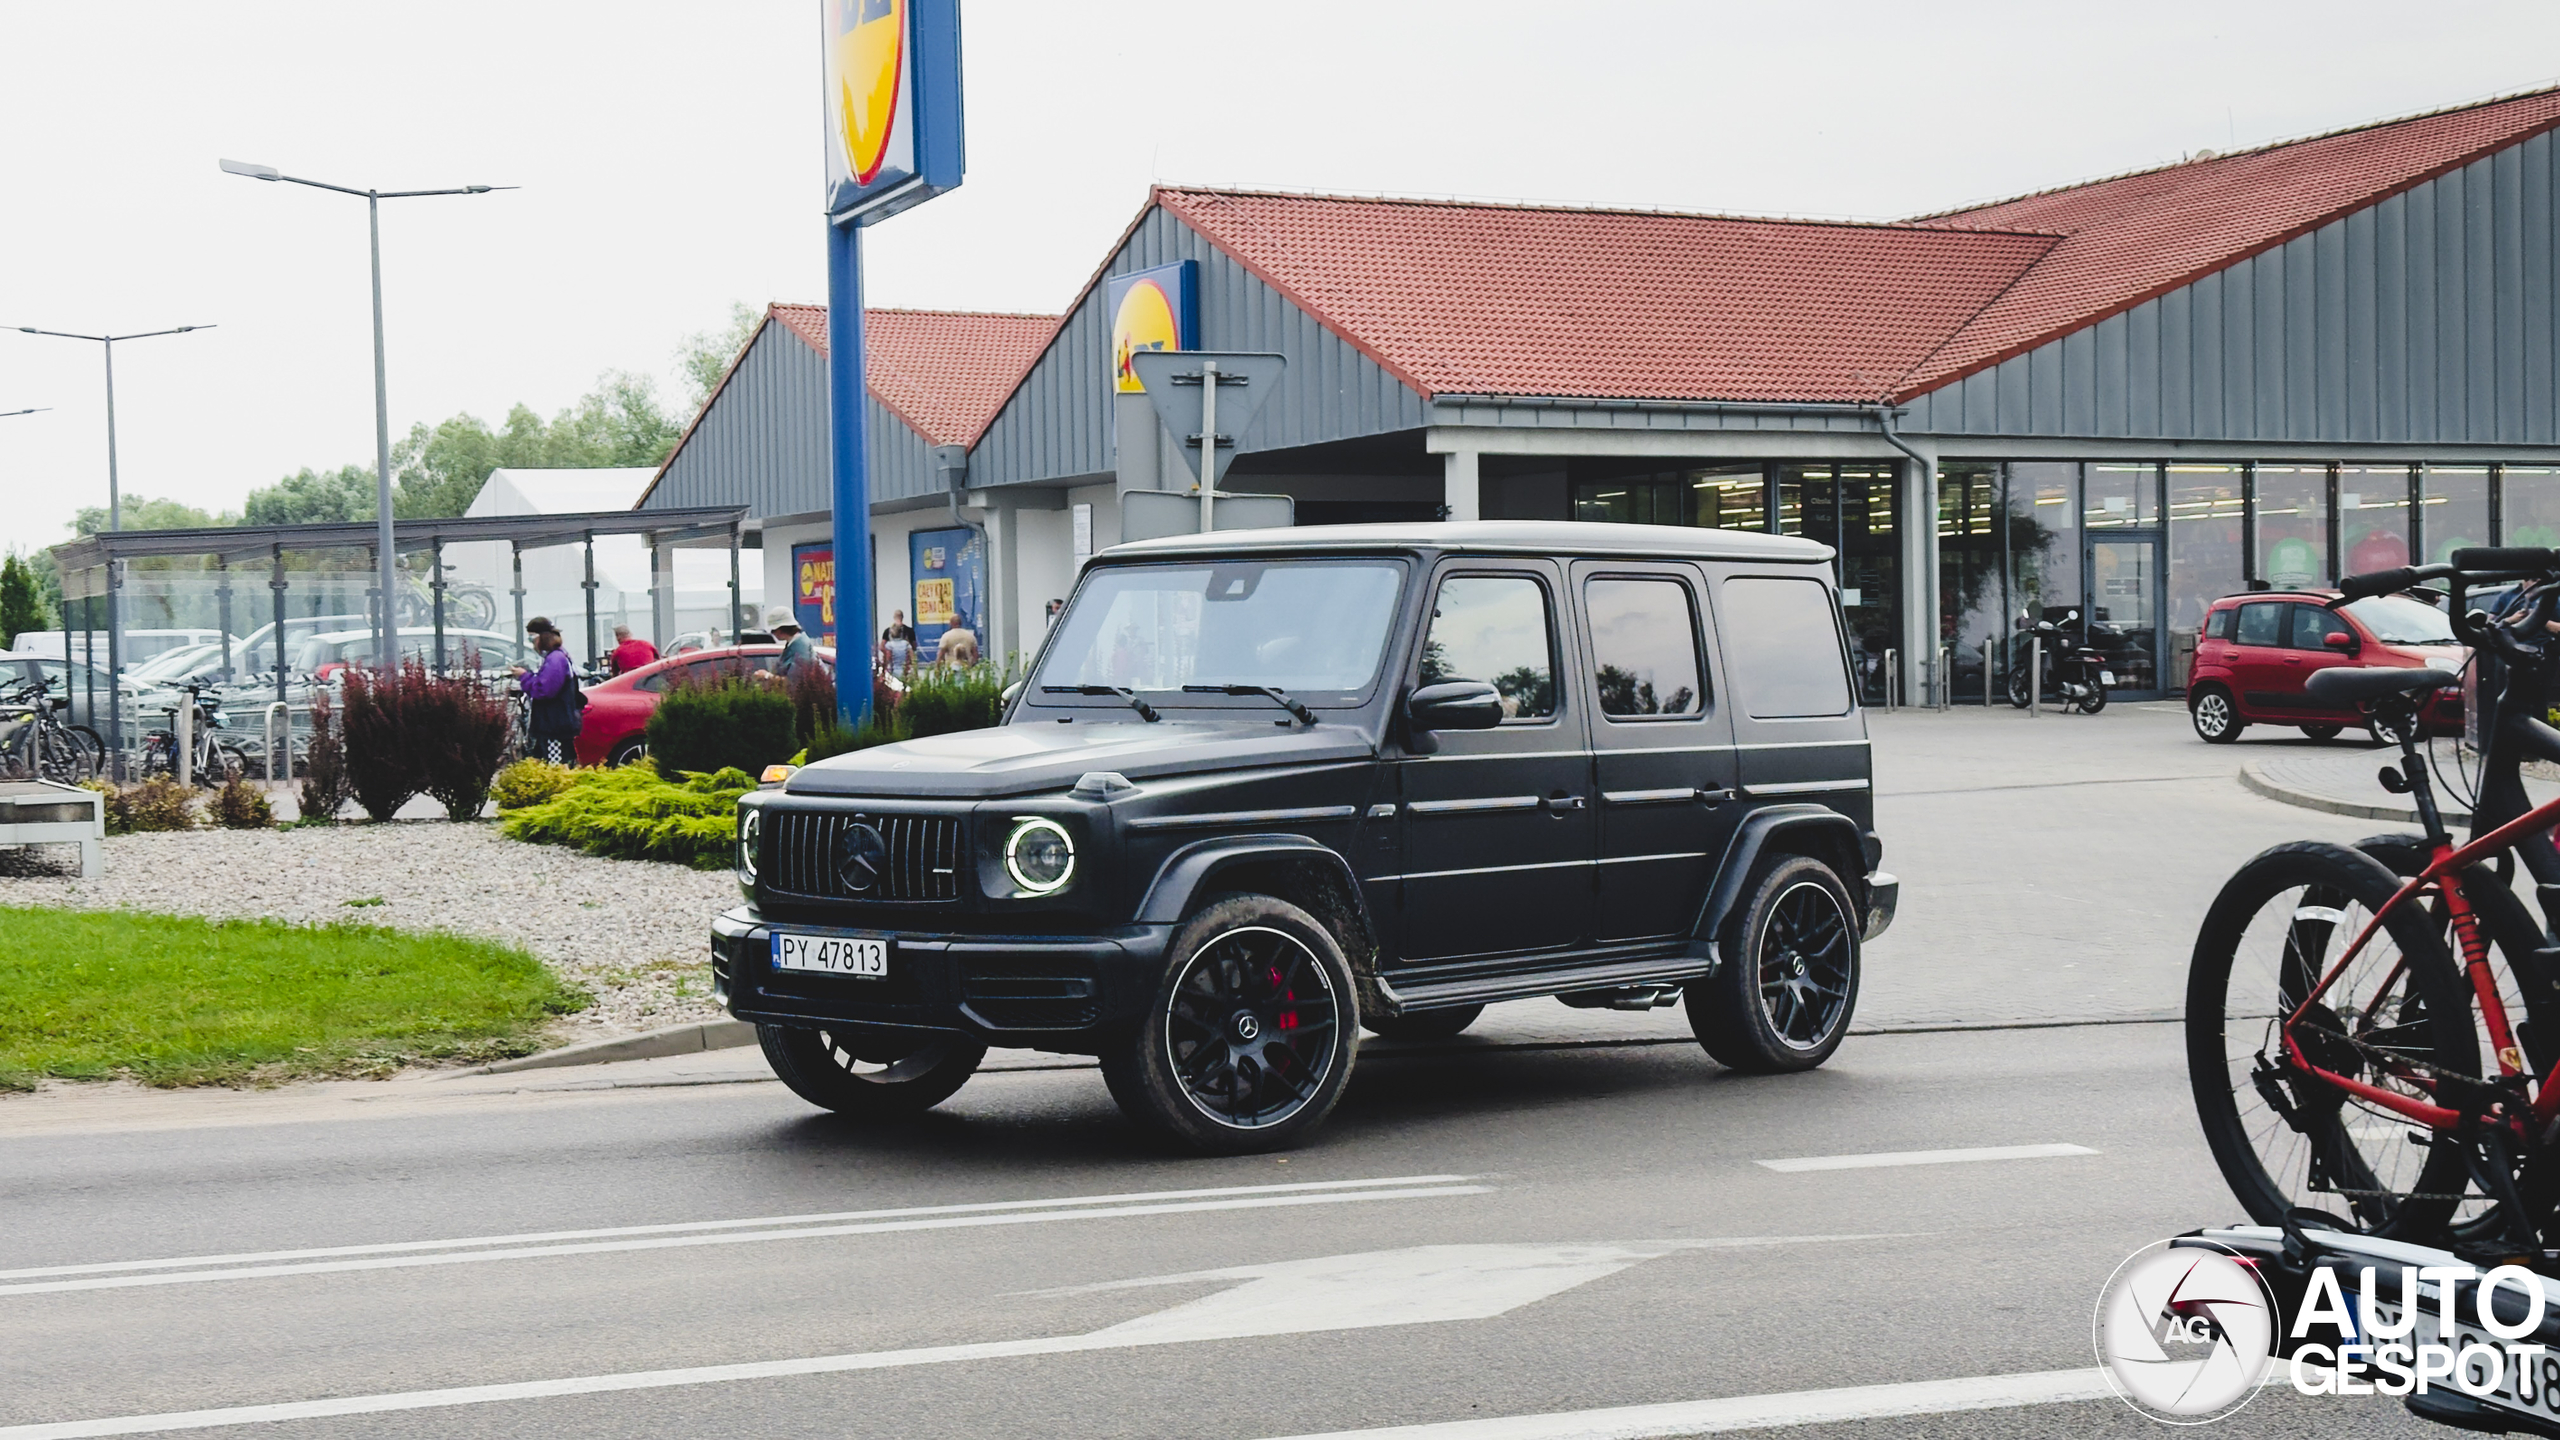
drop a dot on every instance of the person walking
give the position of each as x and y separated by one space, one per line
552 733
897 642
630 654
957 647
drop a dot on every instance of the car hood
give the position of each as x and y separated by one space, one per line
1024 759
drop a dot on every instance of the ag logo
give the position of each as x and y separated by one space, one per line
866 58
2185 1335
1144 321
863 857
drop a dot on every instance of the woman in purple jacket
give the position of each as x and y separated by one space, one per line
553 732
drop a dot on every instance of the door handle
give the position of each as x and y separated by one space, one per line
1560 802
1713 797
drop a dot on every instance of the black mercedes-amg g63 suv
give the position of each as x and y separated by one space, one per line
1260 790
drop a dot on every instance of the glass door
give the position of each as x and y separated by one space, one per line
2124 611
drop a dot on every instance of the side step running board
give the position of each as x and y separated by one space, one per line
1690 964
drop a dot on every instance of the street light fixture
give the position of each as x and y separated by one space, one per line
115 502
386 627
5 414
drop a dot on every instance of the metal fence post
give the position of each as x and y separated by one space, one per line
435 593
2035 676
276 583
1986 672
182 726
1892 672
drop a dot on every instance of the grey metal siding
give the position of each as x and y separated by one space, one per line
763 442
2426 318
1058 423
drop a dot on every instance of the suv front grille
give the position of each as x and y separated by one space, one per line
921 863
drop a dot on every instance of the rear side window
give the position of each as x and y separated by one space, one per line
1783 646
1644 647
2262 624
1494 628
2217 626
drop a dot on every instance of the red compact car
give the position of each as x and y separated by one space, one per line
2257 650
610 731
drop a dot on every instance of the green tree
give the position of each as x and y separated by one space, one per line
706 355
22 605
141 514
315 496
619 423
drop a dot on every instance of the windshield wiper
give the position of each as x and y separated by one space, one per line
1272 693
1145 711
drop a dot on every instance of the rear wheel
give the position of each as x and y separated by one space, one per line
869 1074
1250 1040
1790 978
2217 720
1423 1024
2324 732
628 751
2095 700
2396 1018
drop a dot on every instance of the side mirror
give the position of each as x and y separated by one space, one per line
2339 640
2069 616
1454 705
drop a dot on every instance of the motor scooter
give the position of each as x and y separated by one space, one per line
2075 676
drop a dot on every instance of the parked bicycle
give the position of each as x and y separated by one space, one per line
46 745
213 761
2376 1028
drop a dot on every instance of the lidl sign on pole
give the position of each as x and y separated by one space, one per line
1156 309
893 141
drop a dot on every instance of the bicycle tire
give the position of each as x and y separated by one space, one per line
2332 1147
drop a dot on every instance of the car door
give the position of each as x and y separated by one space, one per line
1661 745
1498 823
2306 655
2258 668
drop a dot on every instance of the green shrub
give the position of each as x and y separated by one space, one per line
739 725
633 813
530 782
943 698
160 803
239 805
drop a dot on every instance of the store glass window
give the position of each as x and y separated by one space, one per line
2373 517
2453 509
1971 516
1850 508
2123 497
2532 505
2205 513
1729 497
1631 500
2293 525
2044 544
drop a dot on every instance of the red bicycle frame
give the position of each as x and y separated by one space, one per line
2449 859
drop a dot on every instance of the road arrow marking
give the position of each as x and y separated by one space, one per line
1425 1285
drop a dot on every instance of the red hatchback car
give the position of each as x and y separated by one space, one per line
2257 651
610 731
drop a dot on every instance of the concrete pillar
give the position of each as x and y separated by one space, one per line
662 593
1004 575
1919 578
1461 489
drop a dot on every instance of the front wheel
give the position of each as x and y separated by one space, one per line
2217 720
1790 978
865 1074
2018 688
2394 1018
1249 1042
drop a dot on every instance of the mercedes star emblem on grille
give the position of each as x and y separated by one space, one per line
865 856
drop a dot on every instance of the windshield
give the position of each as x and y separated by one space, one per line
1315 628
2399 620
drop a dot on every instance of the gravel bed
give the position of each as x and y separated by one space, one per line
635 932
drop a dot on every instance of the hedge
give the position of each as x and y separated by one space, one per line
633 813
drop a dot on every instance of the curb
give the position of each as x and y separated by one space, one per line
686 1039
2252 781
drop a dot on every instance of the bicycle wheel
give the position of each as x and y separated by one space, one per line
470 608
2396 1018
93 751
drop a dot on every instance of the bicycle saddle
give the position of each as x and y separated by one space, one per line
2342 685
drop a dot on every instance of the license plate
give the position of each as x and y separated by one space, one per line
2106 677
2531 1388
864 959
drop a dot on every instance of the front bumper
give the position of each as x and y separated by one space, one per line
1051 992
1884 895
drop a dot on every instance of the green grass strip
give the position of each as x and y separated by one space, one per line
172 1000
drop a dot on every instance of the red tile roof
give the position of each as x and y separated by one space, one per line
2128 239
1520 300
944 372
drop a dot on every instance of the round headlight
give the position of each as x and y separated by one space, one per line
750 825
1039 856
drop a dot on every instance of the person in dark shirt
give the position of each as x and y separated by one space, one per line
898 642
796 652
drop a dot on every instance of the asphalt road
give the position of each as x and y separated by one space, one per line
1487 1230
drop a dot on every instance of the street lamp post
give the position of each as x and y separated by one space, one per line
386 621
38 410
115 500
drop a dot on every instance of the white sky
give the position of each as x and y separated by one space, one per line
671 164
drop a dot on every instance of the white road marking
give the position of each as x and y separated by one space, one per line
1925 1157
1757 1412
931 1218
1429 1284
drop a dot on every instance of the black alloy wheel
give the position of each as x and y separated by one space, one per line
2095 700
2217 720
866 1074
1790 979
1250 1041
2018 688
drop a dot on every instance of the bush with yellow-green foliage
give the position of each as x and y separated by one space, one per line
530 782
632 813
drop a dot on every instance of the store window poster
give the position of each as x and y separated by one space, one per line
949 586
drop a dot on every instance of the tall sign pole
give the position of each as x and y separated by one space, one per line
893 141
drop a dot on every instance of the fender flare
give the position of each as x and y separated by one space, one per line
1189 870
1828 829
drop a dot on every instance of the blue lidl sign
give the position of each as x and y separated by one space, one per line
892 141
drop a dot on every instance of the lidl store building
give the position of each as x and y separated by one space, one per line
2127 397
